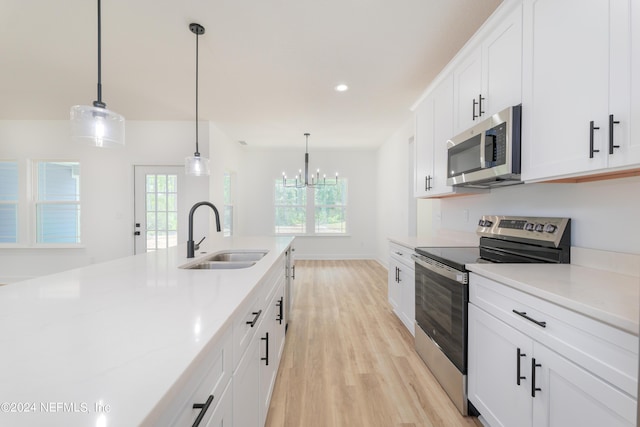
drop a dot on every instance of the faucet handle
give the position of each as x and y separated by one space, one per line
197 245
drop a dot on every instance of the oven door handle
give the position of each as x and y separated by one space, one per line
441 269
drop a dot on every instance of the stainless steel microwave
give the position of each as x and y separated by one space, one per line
488 154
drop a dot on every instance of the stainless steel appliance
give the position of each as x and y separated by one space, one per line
488 154
442 291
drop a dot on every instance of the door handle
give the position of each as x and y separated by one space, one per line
266 357
519 377
255 319
480 111
204 407
280 305
474 110
534 365
611 123
530 319
591 129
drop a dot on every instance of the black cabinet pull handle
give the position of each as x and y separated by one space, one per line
266 357
474 110
480 99
279 304
534 365
611 123
294 272
518 376
203 407
591 129
427 183
255 319
524 314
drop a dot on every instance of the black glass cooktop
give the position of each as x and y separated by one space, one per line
455 257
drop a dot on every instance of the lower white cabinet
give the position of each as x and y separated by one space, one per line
540 370
255 374
401 285
222 415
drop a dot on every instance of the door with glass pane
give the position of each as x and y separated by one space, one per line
160 209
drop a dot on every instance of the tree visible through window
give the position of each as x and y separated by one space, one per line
320 210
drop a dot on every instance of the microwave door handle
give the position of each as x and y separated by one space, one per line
489 151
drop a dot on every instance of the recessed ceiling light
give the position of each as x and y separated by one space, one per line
341 88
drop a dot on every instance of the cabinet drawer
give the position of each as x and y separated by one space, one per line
245 324
606 351
401 253
212 377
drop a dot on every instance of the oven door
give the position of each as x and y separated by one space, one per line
442 294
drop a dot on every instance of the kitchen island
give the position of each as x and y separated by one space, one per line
111 344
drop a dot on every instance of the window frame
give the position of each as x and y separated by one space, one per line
35 203
310 212
17 203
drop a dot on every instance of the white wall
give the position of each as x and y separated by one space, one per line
604 214
394 188
106 186
256 178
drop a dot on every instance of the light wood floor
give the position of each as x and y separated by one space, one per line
348 360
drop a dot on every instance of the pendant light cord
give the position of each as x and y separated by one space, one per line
98 102
197 153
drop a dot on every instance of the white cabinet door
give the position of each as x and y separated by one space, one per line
565 87
571 396
434 127
502 65
246 387
467 91
268 360
442 132
407 285
423 157
394 290
499 357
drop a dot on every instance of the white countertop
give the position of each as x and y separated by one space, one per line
443 239
609 297
118 333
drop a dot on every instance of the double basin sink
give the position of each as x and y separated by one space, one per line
228 260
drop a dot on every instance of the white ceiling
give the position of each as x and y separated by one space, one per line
267 67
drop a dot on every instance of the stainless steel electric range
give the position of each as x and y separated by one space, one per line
442 291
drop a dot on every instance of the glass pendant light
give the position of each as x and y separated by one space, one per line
196 165
95 124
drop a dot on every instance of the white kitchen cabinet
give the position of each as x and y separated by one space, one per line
205 385
546 366
401 285
222 415
434 126
256 371
576 88
489 78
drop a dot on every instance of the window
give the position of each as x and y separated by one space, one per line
57 200
228 204
8 202
321 210
290 209
330 208
161 197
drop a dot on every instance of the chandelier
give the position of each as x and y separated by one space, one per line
301 181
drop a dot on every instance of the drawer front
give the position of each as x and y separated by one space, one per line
213 377
601 349
402 254
250 313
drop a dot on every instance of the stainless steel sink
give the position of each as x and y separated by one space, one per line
228 260
221 265
237 256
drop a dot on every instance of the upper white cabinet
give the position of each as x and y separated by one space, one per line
576 87
434 126
489 77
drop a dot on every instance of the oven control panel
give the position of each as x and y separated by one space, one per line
542 229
